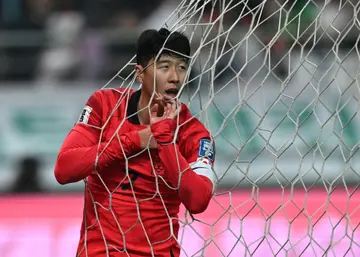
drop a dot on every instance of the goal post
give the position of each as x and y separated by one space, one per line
276 83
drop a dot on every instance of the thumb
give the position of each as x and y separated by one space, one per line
154 110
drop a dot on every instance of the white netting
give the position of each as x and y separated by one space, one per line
276 84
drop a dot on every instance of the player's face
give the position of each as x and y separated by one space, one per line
169 73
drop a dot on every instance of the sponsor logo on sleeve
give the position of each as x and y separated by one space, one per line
85 115
206 149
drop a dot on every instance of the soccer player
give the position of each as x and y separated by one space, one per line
142 154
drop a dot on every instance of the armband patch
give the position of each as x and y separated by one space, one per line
203 168
85 115
206 149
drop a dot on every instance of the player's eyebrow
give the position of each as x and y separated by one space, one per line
163 61
171 61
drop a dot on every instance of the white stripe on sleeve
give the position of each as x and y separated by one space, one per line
202 167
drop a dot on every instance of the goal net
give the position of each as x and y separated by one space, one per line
275 82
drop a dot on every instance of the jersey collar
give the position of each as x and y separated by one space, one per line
132 107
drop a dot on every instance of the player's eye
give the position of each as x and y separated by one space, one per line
164 67
182 67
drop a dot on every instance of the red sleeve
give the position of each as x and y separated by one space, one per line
195 191
193 149
193 129
82 152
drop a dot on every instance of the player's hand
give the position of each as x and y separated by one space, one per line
171 107
146 138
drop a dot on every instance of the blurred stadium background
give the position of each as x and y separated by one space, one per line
54 54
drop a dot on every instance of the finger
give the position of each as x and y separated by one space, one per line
178 107
154 110
168 98
166 112
156 97
172 109
175 109
160 99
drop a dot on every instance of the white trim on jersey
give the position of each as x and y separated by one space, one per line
203 167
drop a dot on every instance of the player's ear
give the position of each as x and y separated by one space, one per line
139 73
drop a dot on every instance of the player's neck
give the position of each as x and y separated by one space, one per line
143 112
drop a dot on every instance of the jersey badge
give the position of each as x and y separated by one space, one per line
206 149
85 115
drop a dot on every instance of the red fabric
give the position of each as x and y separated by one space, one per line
195 191
78 154
163 131
123 211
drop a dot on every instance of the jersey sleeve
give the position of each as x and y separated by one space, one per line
82 151
193 180
89 122
199 149
200 146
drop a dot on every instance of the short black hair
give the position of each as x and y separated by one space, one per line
151 42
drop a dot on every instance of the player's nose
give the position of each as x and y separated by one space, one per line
174 77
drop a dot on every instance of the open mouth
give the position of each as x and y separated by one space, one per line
172 92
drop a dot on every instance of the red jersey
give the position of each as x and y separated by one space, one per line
132 195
